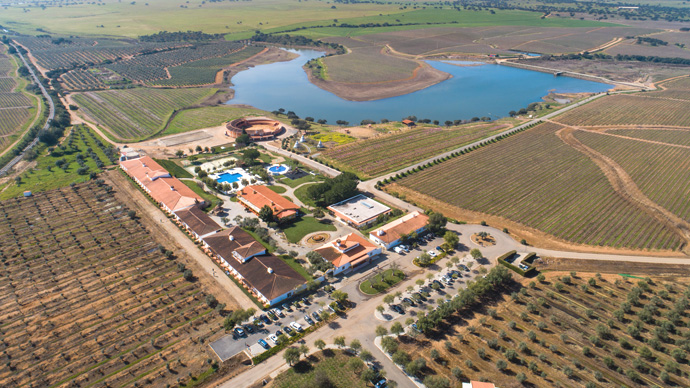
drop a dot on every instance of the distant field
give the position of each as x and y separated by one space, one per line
631 48
635 109
368 64
91 300
535 179
661 172
210 116
404 148
571 330
135 114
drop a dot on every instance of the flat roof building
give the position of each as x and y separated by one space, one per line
256 197
348 252
390 235
358 211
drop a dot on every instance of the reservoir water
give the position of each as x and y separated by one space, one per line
474 91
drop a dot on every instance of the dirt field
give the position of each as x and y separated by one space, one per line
90 299
568 330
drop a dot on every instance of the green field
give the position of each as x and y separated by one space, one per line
301 194
331 363
536 180
135 114
175 169
296 230
48 176
209 116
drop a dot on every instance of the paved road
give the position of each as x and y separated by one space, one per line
306 161
51 114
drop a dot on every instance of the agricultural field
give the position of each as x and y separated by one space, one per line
566 330
629 47
209 116
404 148
135 114
533 179
69 162
660 171
670 136
637 109
16 109
368 65
310 372
92 300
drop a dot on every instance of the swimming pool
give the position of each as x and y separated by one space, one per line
228 177
278 169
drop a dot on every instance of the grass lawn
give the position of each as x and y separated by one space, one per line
173 168
289 260
301 194
278 189
47 176
333 364
367 286
266 158
296 182
209 116
210 198
297 229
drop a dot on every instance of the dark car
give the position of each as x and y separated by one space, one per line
397 308
239 332
419 296
454 273
265 319
278 333
249 329
410 301
263 343
288 330
305 301
464 268
379 382
340 305
308 319
316 316
414 326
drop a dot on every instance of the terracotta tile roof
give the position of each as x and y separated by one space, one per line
260 196
271 284
198 221
404 225
171 192
479 384
352 248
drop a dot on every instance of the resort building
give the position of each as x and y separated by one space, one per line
170 193
358 211
348 252
267 277
258 128
390 235
196 222
256 197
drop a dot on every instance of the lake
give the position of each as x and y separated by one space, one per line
474 91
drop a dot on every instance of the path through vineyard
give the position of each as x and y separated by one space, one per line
623 184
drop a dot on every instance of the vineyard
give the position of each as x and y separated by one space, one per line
204 71
629 110
404 148
16 109
89 298
671 136
134 114
565 330
80 79
536 180
662 172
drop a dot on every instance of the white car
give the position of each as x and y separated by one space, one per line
399 250
432 253
278 312
404 248
296 326
273 338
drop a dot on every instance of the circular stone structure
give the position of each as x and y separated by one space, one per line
258 128
278 169
317 238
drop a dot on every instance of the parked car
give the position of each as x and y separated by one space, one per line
439 283
296 326
265 319
433 253
308 319
397 308
438 248
273 338
419 296
316 316
305 301
410 301
414 326
340 305
464 268
454 273
279 333
279 312
239 332
286 307
379 382
288 330
263 343
399 250
272 315
249 329
404 248
448 281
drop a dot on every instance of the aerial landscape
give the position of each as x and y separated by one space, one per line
345 193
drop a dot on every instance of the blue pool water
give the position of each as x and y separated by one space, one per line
277 169
474 91
227 177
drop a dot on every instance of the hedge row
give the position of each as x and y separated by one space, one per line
502 260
